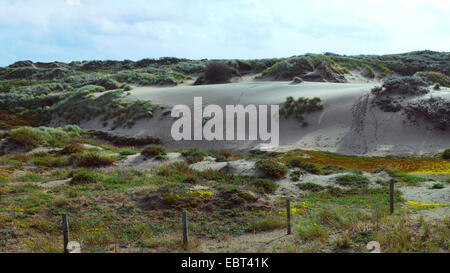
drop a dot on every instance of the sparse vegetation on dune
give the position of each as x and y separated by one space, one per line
109 206
300 107
272 168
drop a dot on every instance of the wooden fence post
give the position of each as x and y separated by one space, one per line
391 195
288 216
65 228
185 229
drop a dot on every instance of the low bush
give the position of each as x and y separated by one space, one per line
446 154
352 180
272 168
295 175
297 80
217 72
72 148
83 177
92 159
299 107
402 86
438 186
435 110
51 161
310 187
264 185
26 137
433 77
127 151
153 151
194 155
298 162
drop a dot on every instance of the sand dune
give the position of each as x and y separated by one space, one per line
349 124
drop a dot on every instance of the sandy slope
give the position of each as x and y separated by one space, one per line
349 124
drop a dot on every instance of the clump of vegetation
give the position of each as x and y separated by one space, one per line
120 140
438 186
437 86
295 175
313 67
352 180
408 179
26 137
402 86
272 168
225 155
92 159
446 154
310 187
110 106
215 73
263 185
154 151
297 80
299 162
433 77
194 155
331 169
50 160
128 151
300 107
72 148
84 176
434 109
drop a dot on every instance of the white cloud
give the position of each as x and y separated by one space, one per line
74 2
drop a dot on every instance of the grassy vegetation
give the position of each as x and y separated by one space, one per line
124 210
352 180
400 164
154 151
272 168
300 107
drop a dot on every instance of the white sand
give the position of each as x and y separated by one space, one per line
349 124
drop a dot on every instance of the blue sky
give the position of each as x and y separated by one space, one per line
66 30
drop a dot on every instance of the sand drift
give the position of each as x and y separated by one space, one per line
348 124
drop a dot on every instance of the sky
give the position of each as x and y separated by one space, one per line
76 30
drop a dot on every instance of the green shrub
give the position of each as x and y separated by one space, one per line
446 154
194 155
72 148
331 169
127 151
437 86
300 106
298 162
297 80
25 137
310 187
83 177
352 180
153 151
403 86
217 72
264 185
49 160
295 175
272 168
92 159
438 186
433 109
